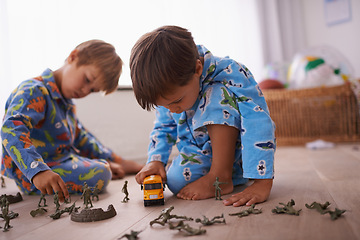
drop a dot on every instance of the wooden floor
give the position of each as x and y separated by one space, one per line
303 175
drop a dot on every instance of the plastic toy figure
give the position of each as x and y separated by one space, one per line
132 236
186 227
218 189
38 211
321 208
3 185
87 195
42 198
95 193
125 190
288 209
56 200
336 214
3 200
70 209
165 216
247 212
5 215
206 221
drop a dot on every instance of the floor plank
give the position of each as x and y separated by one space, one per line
301 174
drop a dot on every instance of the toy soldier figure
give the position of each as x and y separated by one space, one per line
186 227
5 215
125 190
95 193
56 200
87 195
321 208
206 221
165 216
42 198
336 214
288 208
132 236
247 212
218 189
3 182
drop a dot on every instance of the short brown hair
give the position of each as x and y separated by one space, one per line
104 57
161 60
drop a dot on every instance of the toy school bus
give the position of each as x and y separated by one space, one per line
153 190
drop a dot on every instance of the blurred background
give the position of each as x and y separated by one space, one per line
268 36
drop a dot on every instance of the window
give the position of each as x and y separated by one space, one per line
39 34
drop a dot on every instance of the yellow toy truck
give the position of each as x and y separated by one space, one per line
153 190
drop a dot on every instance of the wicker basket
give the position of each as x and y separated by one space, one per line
327 113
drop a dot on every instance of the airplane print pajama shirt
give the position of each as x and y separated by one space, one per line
228 95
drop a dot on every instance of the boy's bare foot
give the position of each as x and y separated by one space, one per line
131 167
120 167
203 188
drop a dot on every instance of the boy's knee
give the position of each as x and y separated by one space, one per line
175 180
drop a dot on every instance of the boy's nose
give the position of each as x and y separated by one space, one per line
86 90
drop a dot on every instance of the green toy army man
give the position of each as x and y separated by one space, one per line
42 198
3 182
5 215
56 200
95 193
38 211
336 214
288 209
218 189
165 216
86 195
321 208
125 191
206 221
186 227
132 236
247 212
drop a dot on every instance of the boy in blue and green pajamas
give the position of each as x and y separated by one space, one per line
212 109
45 147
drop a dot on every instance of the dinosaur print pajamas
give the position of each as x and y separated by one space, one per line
41 131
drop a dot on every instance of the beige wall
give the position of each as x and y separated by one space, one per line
118 122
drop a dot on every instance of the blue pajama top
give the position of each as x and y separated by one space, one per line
40 129
228 95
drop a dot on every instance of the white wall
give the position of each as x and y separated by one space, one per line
345 37
118 122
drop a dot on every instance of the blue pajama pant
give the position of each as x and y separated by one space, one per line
74 171
182 172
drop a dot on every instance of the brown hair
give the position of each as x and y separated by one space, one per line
161 60
104 57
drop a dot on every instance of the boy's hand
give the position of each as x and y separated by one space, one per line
49 182
258 192
151 168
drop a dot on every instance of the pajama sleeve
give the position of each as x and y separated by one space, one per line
24 112
233 98
163 137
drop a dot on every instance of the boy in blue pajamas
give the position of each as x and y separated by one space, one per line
212 109
45 147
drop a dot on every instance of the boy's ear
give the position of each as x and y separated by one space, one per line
73 55
199 67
